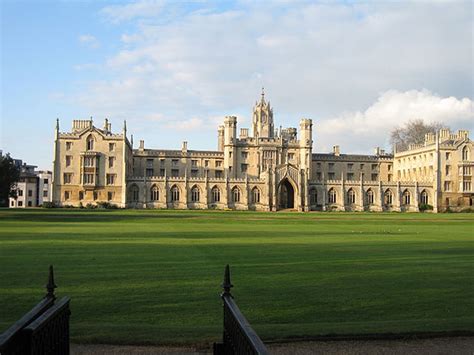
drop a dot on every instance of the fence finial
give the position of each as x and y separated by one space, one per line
227 285
51 285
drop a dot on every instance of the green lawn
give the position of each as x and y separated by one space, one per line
154 276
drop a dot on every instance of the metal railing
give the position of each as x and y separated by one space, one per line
238 336
43 330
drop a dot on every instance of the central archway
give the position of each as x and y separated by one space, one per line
286 195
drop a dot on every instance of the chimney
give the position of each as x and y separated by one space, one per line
184 147
377 150
463 134
336 150
444 133
244 133
142 145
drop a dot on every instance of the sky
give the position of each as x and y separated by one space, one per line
174 69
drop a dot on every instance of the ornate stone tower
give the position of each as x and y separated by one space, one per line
262 122
230 141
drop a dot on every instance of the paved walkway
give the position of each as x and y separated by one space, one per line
436 346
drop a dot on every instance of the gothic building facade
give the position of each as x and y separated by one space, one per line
268 170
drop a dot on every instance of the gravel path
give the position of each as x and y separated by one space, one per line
436 346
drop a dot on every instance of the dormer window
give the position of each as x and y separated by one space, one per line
90 143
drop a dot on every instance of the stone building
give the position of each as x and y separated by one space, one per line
266 169
33 188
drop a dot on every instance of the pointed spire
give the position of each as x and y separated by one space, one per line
226 284
125 125
57 124
51 285
263 94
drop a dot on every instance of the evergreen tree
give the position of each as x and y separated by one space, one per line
9 176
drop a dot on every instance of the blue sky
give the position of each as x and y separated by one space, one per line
175 69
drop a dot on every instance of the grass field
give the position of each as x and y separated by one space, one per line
154 276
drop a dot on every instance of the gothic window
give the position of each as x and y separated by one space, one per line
350 197
216 194
406 197
332 196
388 197
90 143
313 196
174 194
154 193
134 191
236 194
195 194
424 197
255 195
465 153
370 197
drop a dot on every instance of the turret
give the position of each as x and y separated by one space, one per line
230 130
230 136
262 122
306 143
220 138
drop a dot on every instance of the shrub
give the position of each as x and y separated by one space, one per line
106 205
48 205
425 207
90 206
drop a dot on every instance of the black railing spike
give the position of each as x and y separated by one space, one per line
227 285
51 285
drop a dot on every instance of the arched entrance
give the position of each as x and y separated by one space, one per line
286 195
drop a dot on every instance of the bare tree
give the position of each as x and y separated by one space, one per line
412 132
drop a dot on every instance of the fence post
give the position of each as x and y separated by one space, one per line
226 284
50 286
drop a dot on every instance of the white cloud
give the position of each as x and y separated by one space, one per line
393 108
315 60
140 9
89 41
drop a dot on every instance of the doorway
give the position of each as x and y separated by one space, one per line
286 195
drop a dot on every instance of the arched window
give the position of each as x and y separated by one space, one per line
154 193
313 196
406 197
370 197
255 195
332 196
351 197
195 194
134 192
216 194
236 194
388 197
424 197
174 194
465 153
90 143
